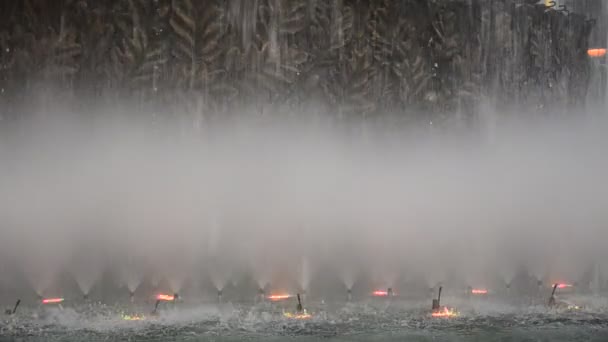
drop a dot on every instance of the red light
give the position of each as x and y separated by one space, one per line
52 300
380 293
166 298
276 298
563 286
479 291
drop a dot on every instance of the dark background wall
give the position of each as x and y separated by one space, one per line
350 58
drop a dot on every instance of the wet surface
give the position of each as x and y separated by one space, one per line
351 322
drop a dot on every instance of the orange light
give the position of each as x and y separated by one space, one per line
298 316
445 312
52 300
479 291
380 293
166 298
276 298
563 286
596 53
133 318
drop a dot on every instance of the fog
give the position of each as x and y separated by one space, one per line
294 205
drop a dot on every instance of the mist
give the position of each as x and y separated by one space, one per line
294 204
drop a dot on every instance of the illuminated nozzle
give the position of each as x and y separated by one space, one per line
278 298
479 291
389 292
219 295
85 296
132 296
349 293
380 293
166 298
52 300
175 297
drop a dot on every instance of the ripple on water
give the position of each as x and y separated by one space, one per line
355 323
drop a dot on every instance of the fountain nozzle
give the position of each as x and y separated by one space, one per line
14 310
299 308
437 302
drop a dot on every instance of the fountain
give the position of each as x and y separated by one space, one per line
304 276
219 279
132 278
348 275
42 274
87 271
